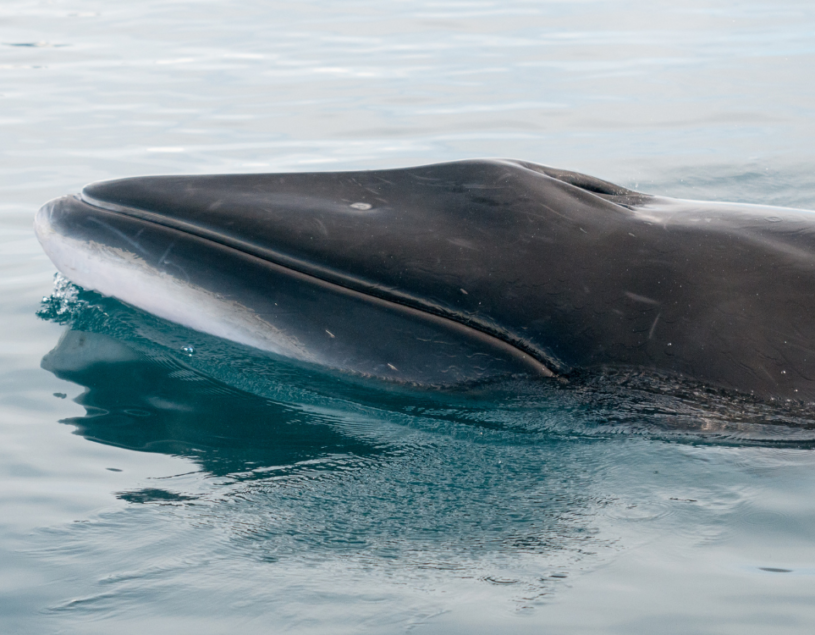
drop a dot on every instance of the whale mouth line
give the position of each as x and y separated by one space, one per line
549 365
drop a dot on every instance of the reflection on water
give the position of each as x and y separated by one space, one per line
301 466
503 483
158 405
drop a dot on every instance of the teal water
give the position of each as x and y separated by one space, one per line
153 478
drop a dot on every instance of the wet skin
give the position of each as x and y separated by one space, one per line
467 270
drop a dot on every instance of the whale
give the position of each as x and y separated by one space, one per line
457 272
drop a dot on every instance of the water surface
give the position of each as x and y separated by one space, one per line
155 478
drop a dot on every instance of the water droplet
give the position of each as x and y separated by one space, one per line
188 350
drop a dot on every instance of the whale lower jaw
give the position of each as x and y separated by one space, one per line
224 292
120 274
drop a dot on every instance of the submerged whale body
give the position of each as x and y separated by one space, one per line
456 272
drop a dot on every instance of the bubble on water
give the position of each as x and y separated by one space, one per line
188 350
63 302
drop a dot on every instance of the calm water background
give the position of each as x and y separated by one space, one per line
144 490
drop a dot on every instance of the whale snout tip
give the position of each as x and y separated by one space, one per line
43 225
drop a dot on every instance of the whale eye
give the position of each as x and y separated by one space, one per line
361 206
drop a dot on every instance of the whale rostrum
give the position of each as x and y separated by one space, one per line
461 271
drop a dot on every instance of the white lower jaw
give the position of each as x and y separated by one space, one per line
127 277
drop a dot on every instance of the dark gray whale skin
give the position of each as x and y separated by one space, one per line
511 266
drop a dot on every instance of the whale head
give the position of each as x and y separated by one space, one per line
456 272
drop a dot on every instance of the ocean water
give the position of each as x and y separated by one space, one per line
154 479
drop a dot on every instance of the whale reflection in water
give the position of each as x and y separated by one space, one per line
441 491
497 482
156 404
